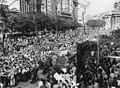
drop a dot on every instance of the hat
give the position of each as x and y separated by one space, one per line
64 70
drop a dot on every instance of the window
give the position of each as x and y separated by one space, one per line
42 4
62 5
68 5
65 5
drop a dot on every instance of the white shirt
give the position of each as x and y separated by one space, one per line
96 85
23 71
58 77
65 52
40 84
118 82
1 85
48 85
113 87
64 70
67 77
74 84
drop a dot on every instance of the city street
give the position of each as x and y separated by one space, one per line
59 43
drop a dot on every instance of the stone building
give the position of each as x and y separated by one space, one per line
113 19
63 8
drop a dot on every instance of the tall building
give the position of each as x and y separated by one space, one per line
63 8
26 6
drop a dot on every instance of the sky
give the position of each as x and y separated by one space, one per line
99 6
96 6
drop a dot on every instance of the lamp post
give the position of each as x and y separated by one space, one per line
98 49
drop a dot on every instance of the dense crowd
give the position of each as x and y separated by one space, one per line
26 54
106 73
40 59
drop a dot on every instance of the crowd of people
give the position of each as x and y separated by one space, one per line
39 58
102 73
26 55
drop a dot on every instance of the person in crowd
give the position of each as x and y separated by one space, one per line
44 84
48 84
1 85
40 83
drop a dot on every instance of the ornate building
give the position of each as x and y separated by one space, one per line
64 8
113 19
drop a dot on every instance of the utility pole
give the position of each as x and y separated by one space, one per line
98 48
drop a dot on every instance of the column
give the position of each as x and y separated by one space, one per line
20 5
114 21
111 21
28 7
35 5
23 5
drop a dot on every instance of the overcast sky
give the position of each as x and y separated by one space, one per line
96 6
99 6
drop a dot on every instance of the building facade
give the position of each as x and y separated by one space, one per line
113 19
63 8
28 6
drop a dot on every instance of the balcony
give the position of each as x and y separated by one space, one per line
65 14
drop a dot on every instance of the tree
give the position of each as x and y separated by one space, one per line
3 28
29 22
21 22
96 23
84 6
42 21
